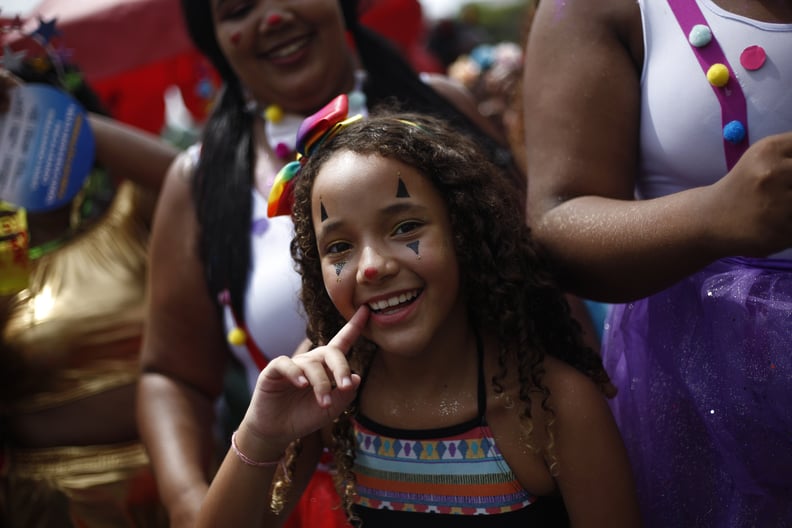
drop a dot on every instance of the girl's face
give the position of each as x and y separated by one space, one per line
287 52
385 240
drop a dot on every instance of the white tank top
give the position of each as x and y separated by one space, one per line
274 316
681 127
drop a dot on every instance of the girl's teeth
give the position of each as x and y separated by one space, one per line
393 301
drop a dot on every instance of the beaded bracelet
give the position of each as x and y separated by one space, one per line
246 459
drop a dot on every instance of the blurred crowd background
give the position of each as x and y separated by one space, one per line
138 58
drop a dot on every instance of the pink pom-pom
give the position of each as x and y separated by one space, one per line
282 150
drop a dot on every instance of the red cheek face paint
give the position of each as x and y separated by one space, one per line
370 273
236 38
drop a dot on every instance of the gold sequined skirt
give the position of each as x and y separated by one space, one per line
103 486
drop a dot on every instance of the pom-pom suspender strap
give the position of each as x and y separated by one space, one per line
730 96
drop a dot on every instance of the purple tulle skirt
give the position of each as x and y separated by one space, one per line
704 372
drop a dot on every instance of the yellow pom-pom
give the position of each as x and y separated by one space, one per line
273 114
718 75
237 336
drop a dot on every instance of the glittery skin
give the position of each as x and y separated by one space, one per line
339 268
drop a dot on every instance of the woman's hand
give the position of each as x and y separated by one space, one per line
298 395
752 205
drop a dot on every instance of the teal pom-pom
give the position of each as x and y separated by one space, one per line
700 36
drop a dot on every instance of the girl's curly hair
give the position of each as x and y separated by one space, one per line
509 288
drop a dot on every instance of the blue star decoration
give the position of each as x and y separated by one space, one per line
12 60
46 30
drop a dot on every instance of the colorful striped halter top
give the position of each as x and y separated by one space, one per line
456 473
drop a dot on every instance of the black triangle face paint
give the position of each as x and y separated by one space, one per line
414 246
323 212
339 267
401 192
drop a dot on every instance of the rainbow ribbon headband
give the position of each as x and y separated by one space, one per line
313 132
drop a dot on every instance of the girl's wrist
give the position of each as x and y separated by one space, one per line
253 450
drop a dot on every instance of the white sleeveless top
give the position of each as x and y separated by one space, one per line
679 103
274 315
681 127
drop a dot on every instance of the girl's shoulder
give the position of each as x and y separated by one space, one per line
572 393
574 448
570 390
575 404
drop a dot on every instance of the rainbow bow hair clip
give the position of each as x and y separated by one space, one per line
313 132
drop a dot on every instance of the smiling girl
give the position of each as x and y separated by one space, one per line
453 388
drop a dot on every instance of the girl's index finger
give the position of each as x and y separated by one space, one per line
349 333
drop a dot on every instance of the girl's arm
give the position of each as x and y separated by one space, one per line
582 106
295 397
594 474
240 493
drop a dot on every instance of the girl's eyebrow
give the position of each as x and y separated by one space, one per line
402 207
329 226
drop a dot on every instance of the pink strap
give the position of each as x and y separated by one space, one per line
731 97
